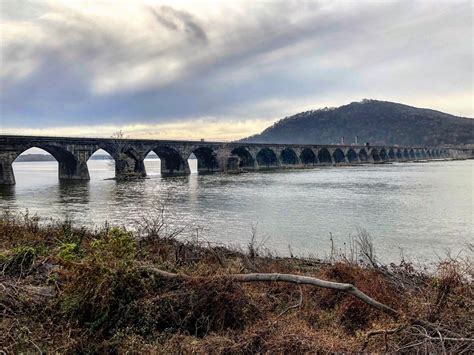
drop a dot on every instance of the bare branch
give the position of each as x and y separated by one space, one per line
313 281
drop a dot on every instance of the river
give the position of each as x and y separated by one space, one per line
422 210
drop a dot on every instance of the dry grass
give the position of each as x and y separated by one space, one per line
67 289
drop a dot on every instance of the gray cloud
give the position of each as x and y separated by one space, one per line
179 20
61 65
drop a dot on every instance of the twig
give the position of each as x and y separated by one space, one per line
300 301
385 332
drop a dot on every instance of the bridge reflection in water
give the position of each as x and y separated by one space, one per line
72 155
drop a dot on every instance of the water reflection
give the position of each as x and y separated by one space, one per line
8 192
73 192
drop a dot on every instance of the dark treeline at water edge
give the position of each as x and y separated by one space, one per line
152 290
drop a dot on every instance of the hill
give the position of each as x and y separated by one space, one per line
377 122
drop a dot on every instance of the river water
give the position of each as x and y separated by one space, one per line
421 209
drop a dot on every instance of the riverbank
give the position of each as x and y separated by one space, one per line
66 288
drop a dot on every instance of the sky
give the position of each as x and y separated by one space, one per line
223 70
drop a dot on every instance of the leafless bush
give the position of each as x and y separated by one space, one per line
359 249
154 224
256 246
366 248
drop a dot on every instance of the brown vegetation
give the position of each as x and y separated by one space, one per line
67 289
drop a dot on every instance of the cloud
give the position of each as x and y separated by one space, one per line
207 128
123 64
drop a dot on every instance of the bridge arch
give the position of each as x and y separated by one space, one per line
383 154
391 154
101 164
399 154
406 154
152 163
411 153
308 157
207 159
266 157
418 154
324 157
428 153
172 162
288 157
338 156
40 156
363 156
68 166
374 154
351 156
246 158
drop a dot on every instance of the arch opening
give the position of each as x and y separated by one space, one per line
391 154
246 159
412 154
152 164
324 156
363 156
375 155
383 155
288 157
206 160
406 154
351 156
34 164
308 157
171 161
399 154
339 156
267 158
101 165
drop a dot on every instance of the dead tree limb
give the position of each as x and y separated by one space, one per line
289 278
306 280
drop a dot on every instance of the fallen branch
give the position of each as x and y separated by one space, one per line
296 279
306 280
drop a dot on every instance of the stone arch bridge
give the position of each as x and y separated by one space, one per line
72 155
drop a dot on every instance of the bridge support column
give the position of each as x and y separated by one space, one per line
229 164
174 165
73 170
129 168
6 172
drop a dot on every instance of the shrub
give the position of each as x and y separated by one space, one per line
18 261
70 251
